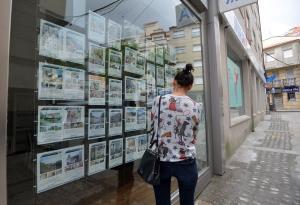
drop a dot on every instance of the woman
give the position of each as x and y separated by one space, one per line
177 130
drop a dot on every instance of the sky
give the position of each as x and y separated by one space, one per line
278 16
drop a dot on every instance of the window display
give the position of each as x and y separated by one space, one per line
135 147
50 81
159 55
130 60
160 78
96 124
73 83
151 74
135 118
59 82
115 64
58 123
115 92
115 122
96 90
135 89
97 157
58 167
236 95
51 40
96 28
131 149
115 152
114 34
140 64
74 46
95 73
96 59
73 163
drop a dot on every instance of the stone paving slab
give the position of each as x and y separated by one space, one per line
265 170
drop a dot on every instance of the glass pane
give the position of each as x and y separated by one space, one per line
83 75
235 84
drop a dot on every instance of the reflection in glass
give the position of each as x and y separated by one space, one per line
79 105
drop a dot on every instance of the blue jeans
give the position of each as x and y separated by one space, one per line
187 176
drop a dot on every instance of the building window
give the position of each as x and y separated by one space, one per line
158 38
178 34
195 32
269 57
288 53
196 47
235 87
197 63
291 97
180 65
180 49
198 81
290 73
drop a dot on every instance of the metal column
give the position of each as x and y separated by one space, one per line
216 87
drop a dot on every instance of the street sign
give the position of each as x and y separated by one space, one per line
228 5
290 89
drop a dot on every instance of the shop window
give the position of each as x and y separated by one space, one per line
291 96
196 48
195 32
288 53
178 34
257 95
83 77
235 86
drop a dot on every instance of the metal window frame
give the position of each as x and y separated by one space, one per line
5 22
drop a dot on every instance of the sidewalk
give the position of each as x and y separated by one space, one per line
265 170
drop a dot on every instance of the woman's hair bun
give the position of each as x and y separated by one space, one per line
185 77
188 68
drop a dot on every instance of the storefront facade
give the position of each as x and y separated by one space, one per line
78 79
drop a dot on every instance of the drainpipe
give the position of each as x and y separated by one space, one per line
251 96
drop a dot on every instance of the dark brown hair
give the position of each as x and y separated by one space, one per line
185 77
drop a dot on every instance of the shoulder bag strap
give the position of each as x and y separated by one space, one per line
155 132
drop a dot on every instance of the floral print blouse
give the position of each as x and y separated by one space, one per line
178 127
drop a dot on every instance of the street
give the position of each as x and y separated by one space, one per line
265 169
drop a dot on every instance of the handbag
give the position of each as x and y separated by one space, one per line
149 168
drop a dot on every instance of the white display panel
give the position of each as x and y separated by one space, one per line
97 90
130 60
114 34
115 92
96 61
97 157
115 152
96 123
96 27
115 122
58 167
115 64
60 123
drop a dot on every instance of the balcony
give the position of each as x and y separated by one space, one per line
289 82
